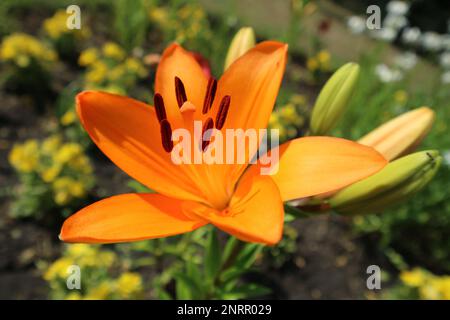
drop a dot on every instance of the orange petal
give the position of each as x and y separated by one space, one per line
177 62
128 217
255 212
315 165
252 82
128 132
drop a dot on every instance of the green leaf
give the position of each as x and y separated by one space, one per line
212 256
231 274
248 255
246 291
186 287
229 246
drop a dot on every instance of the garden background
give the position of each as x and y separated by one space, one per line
49 168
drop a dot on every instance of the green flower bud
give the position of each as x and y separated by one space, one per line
333 99
393 184
243 41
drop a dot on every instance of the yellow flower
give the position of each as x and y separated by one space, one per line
413 278
97 72
106 258
80 249
117 72
67 152
324 59
113 50
135 66
88 57
61 197
129 283
429 292
66 188
159 15
49 174
20 48
73 296
25 157
81 164
101 292
58 269
400 96
312 64
56 26
22 60
77 189
68 118
51 144
288 111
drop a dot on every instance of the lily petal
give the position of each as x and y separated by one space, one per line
128 132
252 82
316 165
177 62
255 212
128 217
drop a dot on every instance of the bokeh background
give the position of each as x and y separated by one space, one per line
49 168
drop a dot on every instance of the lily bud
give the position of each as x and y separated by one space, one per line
402 134
393 184
243 41
333 99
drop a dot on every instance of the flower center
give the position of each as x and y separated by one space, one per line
181 96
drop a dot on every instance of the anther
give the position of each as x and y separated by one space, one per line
210 95
223 111
166 135
180 92
209 124
159 107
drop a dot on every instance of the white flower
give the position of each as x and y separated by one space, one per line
445 78
446 42
411 35
399 8
444 59
447 157
431 41
356 24
406 61
386 74
395 22
385 34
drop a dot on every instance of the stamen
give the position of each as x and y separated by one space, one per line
180 92
159 107
223 111
209 124
210 94
166 135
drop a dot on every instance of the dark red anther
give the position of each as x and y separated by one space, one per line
223 111
180 92
166 135
210 94
159 107
209 124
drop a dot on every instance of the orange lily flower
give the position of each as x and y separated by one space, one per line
136 137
